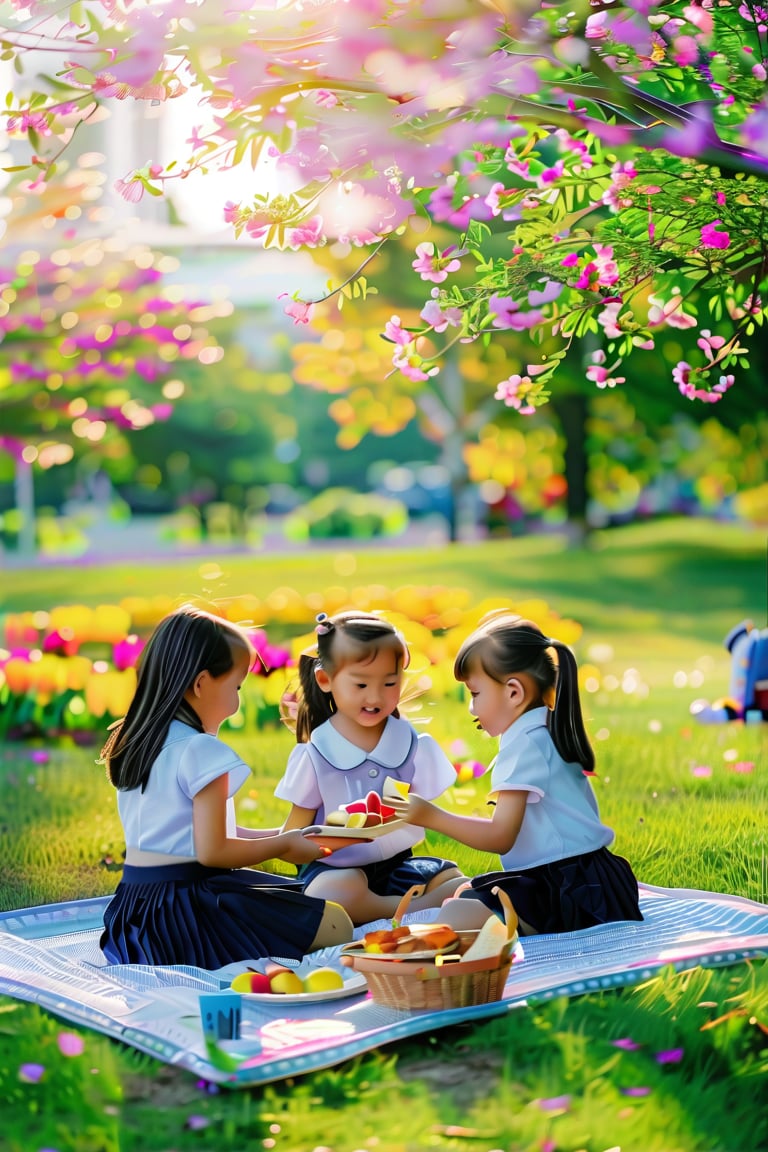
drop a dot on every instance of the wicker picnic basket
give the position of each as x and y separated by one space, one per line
445 982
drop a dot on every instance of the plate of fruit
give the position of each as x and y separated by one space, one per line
358 821
302 985
405 942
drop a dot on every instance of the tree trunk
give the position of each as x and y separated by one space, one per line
573 411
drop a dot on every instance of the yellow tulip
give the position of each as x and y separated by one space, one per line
110 624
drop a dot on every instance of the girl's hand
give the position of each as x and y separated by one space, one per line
298 849
414 809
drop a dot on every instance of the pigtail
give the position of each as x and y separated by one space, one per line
314 705
566 722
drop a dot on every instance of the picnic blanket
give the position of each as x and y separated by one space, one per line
50 956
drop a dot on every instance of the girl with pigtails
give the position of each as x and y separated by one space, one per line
350 740
546 827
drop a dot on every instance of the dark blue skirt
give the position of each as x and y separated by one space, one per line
565 895
190 914
392 877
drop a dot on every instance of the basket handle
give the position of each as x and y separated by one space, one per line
402 908
510 916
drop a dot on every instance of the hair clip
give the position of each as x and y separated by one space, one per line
324 624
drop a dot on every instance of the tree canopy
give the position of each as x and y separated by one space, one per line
602 165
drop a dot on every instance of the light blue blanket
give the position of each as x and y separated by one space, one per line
50 956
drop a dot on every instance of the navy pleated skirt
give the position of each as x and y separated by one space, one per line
565 895
392 877
190 914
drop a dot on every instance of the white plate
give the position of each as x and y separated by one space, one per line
341 830
353 984
429 954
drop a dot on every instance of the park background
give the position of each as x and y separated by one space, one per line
277 471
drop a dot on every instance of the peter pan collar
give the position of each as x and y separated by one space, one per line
535 718
390 752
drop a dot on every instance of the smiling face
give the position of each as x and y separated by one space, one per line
365 693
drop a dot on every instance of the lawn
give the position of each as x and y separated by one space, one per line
687 801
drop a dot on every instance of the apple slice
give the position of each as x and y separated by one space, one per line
396 789
373 803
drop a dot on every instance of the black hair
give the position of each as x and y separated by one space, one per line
342 639
187 642
505 644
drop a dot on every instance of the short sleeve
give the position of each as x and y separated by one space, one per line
204 759
299 784
434 771
523 768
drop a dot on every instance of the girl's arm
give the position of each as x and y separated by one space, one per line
495 835
217 850
299 818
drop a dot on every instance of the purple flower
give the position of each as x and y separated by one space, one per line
31 1073
670 1056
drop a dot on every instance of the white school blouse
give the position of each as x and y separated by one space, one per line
562 817
159 819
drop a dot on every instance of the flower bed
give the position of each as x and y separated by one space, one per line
71 671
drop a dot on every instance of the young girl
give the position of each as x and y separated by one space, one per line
351 739
546 826
187 895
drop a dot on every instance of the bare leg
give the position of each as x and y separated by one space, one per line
436 894
472 913
450 874
349 887
334 928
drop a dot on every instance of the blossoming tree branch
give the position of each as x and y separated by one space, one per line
602 165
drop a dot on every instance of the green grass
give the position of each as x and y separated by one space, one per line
544 1078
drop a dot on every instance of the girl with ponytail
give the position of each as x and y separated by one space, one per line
546 826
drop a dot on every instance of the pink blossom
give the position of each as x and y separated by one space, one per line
394 332
131 190
70 1044
700 17
300 311
685 50
325 98
307 235
410 363
681 374
231 212
709 344
608 319
440 318
549 175
711 238
435 267
602 377
513 391
669 312
506 313
497 199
